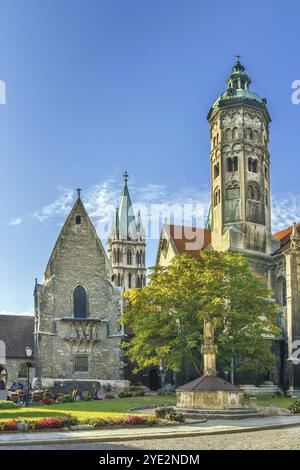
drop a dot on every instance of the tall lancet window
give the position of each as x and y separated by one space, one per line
79 302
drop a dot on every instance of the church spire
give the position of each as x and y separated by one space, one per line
127 245
127 223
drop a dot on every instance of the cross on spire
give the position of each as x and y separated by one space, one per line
78 192
125 176
238 59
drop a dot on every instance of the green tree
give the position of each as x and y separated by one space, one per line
166 317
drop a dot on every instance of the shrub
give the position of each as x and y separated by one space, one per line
125 395
123 420
69 420
165 412
138 394
65 399
8 405
295 407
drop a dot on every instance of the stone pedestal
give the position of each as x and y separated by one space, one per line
210 393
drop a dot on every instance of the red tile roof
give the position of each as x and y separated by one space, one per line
189 240
284 236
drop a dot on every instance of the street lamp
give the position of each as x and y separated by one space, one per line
28 363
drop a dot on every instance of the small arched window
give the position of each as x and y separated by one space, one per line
253 192
129 257
233 190
228 134
235 133
232 164
216 170
255 135
129 280
217 197
253 165
79 302
249 133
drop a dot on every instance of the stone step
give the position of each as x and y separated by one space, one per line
197 416
236 411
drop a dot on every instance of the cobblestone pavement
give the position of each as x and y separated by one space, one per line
278 439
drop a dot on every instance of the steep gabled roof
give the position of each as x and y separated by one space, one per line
78 207
186 239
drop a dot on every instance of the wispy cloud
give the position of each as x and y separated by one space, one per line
16 221
60 207
156 201
285 210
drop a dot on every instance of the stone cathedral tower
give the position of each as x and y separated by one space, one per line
240 177
127 244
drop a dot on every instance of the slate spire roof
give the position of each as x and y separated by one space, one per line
125 225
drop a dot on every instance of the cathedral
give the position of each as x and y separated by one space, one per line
77 334
240 214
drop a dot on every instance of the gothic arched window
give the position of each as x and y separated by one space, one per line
255 135
79 302
129 257
129 280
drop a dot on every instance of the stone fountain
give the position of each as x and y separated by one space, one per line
209 395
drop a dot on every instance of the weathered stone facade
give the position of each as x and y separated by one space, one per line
77 309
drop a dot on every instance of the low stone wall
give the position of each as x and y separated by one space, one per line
13 367
68 385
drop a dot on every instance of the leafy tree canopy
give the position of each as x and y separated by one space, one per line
166 317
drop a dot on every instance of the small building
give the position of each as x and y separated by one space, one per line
77 309
16 332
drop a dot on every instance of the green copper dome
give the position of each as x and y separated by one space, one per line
238 92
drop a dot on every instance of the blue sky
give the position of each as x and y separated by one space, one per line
98 86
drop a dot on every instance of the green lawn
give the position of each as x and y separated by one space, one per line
282 402
117 406
86 409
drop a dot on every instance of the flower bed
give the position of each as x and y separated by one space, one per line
56 423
